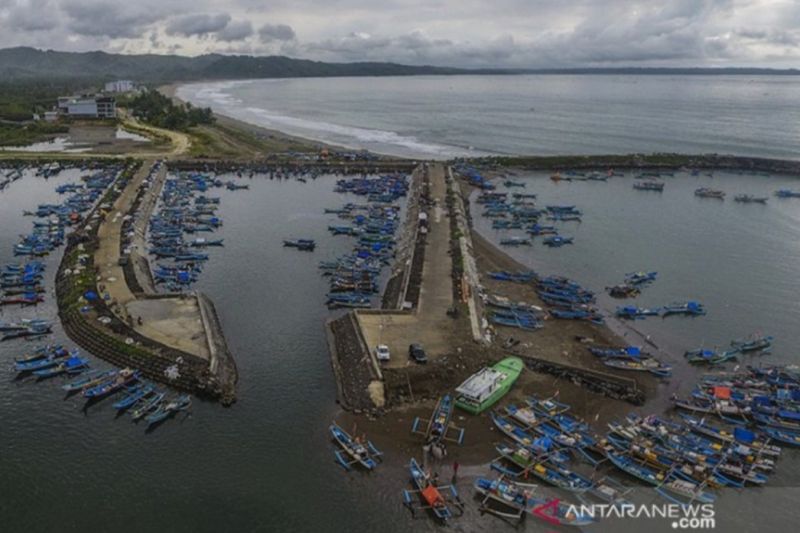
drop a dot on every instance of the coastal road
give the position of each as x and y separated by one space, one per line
429 325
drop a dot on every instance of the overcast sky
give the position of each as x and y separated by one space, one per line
505 33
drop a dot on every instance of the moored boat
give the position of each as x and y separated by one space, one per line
487 386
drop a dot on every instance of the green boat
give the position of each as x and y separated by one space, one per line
483 389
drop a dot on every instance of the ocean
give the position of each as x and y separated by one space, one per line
441 117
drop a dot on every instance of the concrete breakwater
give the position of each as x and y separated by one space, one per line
173 339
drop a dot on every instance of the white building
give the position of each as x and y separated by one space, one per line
88 106
120 86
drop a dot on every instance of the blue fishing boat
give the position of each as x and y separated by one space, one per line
443 501
89 379
362 453
169 409
439 426
135 394
73 365
122 379
147 405
631 312
710 357
517 499
787 193
690 308
556 241
673 487
38 364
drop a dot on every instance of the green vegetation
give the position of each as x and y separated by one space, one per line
158 110
23 134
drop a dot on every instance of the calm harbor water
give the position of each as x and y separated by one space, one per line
265 464
452 116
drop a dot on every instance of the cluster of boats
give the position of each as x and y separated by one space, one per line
566 299
353 278
21 283
519 211
48 232
9 176
141 399
631 358
633 284
764 398
184 212
752 344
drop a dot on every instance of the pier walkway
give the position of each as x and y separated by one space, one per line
428 324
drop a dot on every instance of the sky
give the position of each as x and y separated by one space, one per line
463 33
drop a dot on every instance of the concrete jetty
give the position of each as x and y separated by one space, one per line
180 332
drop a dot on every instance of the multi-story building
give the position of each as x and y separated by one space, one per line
88 106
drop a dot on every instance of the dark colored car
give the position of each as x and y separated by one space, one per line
416 353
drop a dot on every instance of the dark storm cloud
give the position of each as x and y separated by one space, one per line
109 18
198 25
276 32
32 15
235 31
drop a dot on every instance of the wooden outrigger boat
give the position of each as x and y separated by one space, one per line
365 454
443 500
439 425
524 463
518 499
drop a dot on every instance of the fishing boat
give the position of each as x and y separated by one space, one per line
642 364
709 357
135 394
542 466
483 389
609 490
443 500
38 364
556 241
750 199
640 278
623 291
147 405
753 344
690 308
705 192
739 435
673 487
90 379
307 245
524 415
515 241
783 436
123 378
169 409
649 186
517 499
547 407
362 453
787 193
631 312
439 425
73 365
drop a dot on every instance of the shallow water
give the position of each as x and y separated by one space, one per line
452 116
